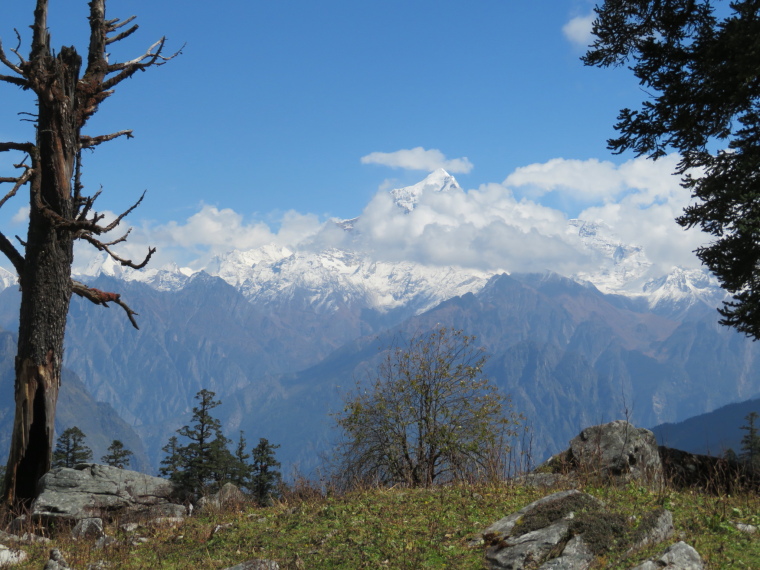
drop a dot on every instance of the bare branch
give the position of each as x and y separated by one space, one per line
19 182
101 246
149 59
15 80
103 298
121 216
15 51
91 142
12 254
114 24
23 147
4 59
122 35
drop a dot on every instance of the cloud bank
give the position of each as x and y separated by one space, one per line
419 158
508 226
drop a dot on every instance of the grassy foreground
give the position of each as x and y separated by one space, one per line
400 528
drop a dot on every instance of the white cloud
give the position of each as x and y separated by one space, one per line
578 30
210 231
419 158
21 216
581 179
487 228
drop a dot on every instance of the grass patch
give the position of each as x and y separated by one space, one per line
408 528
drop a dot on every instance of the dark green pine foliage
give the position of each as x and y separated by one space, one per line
173 463
70 449
117 456
204 463
240 473
700 74
265 478
751 442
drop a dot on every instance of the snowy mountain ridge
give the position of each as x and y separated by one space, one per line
330 278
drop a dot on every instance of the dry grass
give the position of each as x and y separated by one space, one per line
397 528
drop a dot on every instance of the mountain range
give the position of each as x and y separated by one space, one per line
282 335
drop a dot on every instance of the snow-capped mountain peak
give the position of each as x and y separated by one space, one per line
437 181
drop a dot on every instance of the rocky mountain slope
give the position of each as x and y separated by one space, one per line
281 335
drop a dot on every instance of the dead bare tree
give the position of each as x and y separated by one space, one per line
59 214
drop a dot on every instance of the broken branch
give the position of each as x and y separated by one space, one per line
19 182
23 147
103 298
122 35
8 63
90 142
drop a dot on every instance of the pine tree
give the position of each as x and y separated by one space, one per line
751 442
697 64
70 449
240 474
205 462
264 475
174 462
117 456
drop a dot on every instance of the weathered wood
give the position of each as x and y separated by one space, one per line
59 214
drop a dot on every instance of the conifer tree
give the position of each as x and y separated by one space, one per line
265 478
70 449
697 64
117 456
205 462
240 473
173 462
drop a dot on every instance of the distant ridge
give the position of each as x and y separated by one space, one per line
712 433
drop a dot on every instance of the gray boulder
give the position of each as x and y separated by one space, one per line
91 490
228 495
615 451
536 532
565 531
679 556
88 529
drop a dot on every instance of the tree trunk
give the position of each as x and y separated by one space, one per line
46 279
59 214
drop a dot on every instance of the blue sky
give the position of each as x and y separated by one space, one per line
312 107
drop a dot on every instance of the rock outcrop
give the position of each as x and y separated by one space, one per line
99 491
679 556
567 530
228 495
614 451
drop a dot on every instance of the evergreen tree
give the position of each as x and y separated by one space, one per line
117 456
264 475
698 66
205 462
174 462
70 449
751 442
240 473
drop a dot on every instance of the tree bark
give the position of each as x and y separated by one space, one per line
46 277
59 215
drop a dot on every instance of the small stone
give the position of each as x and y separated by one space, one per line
10 556
747 528
56 561
129 527
91 528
